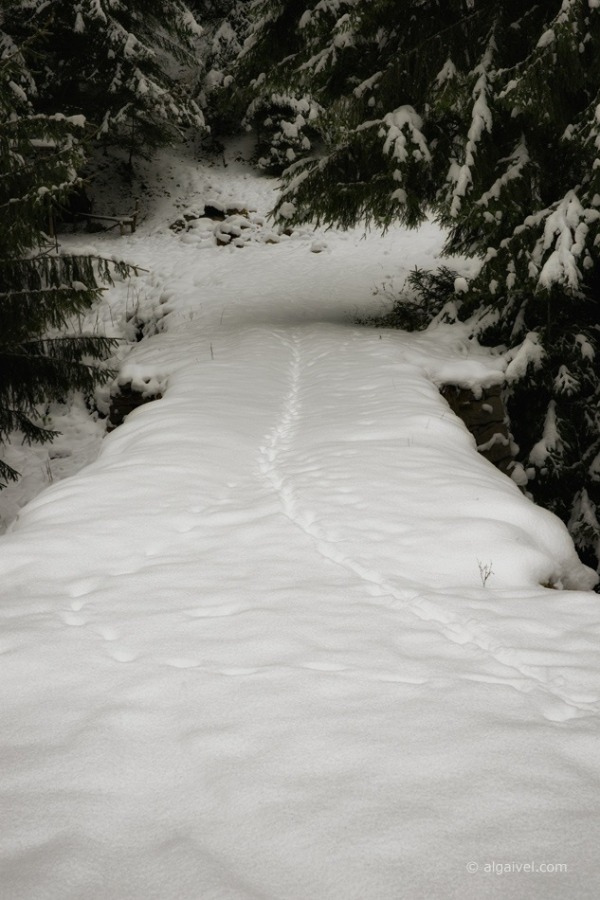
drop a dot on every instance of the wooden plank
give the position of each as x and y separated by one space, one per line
128 219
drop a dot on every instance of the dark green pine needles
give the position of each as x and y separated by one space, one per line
485 115
42 357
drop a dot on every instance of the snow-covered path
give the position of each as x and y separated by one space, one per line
249 654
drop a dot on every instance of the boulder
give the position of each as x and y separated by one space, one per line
125 400
485 416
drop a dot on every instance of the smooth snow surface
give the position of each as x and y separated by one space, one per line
286 638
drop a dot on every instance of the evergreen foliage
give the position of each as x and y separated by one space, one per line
225 24
488 116
284 127
129 66
41 290
280 110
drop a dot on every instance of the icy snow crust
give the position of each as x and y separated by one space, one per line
286 639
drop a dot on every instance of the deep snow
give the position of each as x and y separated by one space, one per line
286 637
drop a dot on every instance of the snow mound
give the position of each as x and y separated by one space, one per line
290 635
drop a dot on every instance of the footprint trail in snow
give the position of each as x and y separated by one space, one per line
247 653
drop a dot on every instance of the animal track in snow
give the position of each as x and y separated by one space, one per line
559 703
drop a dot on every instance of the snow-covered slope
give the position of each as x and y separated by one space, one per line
286 638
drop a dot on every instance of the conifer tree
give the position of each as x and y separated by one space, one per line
280 109
225 24
41 359
488 116
129 66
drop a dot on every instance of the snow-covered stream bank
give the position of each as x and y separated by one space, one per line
286 639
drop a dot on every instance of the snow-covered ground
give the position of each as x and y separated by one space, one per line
289 637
